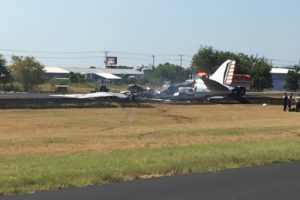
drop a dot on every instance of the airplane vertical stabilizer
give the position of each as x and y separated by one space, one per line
224 73
229 73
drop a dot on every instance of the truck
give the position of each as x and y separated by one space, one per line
241 83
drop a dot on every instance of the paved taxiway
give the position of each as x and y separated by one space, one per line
277 181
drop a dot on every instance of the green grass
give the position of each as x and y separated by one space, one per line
26 173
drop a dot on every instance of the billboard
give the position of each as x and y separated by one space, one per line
111 60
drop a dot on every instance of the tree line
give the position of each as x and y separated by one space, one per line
27 71
208 59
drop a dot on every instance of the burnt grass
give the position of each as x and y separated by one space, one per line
49 102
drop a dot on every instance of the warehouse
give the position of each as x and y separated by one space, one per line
105 78
278 77
107 75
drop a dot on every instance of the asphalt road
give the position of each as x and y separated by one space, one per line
274 182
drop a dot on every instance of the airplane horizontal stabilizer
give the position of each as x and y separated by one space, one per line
213 85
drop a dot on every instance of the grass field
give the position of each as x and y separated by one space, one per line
56 148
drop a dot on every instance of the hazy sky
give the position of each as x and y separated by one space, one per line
134 30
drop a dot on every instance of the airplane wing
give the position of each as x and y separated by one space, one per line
92 95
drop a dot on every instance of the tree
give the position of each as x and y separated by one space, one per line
207 59
123 67
292 79
77 78
27 71
170 72
5 76
261 75
164 72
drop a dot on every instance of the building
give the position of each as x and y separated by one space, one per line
56 72
60 77
105 78
278 77
107 75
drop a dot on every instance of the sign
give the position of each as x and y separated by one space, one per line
111 60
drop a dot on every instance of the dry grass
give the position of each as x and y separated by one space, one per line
63 131
37 147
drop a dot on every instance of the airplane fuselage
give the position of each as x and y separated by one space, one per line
198 89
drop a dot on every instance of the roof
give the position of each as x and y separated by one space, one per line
280 70
105 70
121 71
55 70
108 76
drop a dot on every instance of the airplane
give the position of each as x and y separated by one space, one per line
199 88
206 87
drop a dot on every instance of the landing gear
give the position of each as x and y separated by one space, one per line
239 91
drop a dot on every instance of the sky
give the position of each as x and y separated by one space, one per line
76 33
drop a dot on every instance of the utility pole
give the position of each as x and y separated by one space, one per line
105 61
181 60
153 61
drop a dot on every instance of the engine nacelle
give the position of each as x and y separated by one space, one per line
185 91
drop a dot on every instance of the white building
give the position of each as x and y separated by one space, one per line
108 75
56 72
278 77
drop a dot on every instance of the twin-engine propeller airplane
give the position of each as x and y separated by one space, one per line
216 85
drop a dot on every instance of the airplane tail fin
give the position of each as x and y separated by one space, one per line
224 73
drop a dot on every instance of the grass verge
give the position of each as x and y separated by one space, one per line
23 174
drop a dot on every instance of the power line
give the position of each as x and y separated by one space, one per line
127 58
56 57
133 56
113 52
51 52
128 53
282 61
88 52
82 57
